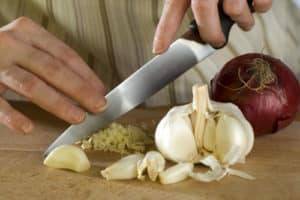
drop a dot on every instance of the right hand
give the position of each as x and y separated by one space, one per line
47 72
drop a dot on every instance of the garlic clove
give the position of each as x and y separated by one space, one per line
176 173
154 162
229 134
209 137
68 157
125 168
209 176
236 113
174 135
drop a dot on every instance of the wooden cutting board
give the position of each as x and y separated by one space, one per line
274 161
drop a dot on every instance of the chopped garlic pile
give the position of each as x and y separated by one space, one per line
120 139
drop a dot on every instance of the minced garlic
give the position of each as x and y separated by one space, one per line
118 138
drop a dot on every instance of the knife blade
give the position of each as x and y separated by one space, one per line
183 54
150 78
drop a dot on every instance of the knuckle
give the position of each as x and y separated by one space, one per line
234 10
50 66
22 22
48 62
28 84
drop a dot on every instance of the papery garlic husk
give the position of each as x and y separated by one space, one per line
153 162
216 171
124 169
68 157
204 127
176 173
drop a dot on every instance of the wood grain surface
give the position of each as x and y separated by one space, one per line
274 161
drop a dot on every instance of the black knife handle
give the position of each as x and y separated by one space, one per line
226 23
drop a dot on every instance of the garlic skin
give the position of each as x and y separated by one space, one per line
154 162
176 173
124 169
216 171
174 135
68 157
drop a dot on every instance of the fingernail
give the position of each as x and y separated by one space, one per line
101 105
78 115
27 127
158 46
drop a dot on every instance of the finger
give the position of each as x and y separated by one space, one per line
39 37
172 15
14 119
262 5
239 12
61 77
40 93
207 17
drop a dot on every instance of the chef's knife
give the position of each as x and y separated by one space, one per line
183 54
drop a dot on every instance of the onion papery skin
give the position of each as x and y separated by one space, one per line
269 109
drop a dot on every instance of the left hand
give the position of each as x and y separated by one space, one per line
207 17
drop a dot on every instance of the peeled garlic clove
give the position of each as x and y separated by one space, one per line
229 134
154 162
209 137
176 173
174 135
125 168
68 157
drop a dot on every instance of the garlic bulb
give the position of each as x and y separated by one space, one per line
202 129
154 162
124 169
68 157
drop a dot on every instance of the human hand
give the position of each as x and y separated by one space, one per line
47 72
207 17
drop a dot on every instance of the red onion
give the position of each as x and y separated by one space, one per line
263 87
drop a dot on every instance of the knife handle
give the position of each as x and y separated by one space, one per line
226 24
